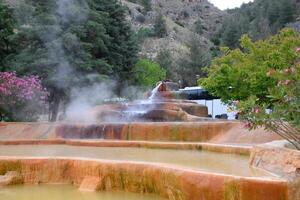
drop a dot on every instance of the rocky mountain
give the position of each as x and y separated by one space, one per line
182 17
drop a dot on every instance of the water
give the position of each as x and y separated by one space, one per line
65 192
191 159
154 92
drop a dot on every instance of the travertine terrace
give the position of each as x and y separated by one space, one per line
183 157
172 182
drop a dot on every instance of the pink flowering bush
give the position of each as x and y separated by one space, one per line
21 99
279 111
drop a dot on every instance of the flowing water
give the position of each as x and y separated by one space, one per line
192 159
65 192
154 92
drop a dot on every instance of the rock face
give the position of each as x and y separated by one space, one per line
180 16
182 12
187 12
279 160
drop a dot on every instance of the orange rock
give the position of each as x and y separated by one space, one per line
163 180
90 184
214 132
10 178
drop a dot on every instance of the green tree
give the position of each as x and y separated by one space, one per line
190 67
148 73
66 42
198 27
160 26
165 60
147 5
261 75
230 36
6 33
259 19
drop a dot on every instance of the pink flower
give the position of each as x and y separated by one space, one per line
287 82
20 91
248 125
298 50
256 110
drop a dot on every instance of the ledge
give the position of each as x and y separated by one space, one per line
169 182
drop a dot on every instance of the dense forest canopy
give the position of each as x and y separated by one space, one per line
258 19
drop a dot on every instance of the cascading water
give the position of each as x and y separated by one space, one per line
155 91
159 106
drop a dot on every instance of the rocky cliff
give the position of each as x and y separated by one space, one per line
181 17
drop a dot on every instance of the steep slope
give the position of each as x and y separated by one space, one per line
187 12
181 17
259 19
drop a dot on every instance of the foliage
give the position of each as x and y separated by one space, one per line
160 26
142 34
198 27
190 67
148 73
145 3
6 33
262 81
165 60
64 42
259 19
187 67
21 99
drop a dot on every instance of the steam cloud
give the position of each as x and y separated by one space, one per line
82 99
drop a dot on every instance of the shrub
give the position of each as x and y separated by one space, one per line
148 73
21 99
262 81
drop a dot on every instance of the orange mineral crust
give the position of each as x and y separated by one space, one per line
166 181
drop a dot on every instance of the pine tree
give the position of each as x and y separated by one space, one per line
147 5
198 27
64 45
230 36
164 59
260 19
190 67
160 26
6 33
287 12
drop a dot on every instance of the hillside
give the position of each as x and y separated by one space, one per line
182 36
181 19
259 19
